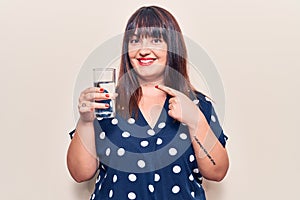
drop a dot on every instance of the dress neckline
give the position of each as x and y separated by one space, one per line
164 107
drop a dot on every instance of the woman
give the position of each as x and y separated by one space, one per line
166 135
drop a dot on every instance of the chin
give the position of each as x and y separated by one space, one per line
150 77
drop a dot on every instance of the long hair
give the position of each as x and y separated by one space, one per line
155 22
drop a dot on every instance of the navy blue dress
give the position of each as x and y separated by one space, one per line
144 163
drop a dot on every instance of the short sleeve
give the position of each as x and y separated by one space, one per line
208 110
72 134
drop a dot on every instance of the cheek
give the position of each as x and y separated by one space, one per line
131 54
131 51
131 59
164 56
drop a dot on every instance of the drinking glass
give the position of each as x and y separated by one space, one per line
106 78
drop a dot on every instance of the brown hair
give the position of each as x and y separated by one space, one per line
156 22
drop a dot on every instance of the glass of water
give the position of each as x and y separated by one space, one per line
106 78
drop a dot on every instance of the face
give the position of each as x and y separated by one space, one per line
148 56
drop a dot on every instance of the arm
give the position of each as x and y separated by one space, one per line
211 156
82 162
81 157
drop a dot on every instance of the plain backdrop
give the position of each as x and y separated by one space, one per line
254 45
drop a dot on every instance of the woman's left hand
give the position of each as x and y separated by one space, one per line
181 107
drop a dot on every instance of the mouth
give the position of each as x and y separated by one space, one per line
145 61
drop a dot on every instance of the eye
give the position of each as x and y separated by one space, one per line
157 40
134 40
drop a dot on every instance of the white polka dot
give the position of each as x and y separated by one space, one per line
121 152
125 134
213 118
151 188
172 151
141 163
159 141
183 136
192 158
131 121
156 177
93 197
98 178
144 143
196 101
114 121
161 125
102 135
196 170
115 178
100 187
176 169
207 99
151 132
175 189
132 177
193 194
200 178
191 177
111 193
131 195
107 152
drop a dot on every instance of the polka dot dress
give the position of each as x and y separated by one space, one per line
144 163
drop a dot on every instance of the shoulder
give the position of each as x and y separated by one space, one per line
204 103
203 97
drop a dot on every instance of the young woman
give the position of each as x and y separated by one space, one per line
166 135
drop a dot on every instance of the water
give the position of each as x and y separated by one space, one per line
109 87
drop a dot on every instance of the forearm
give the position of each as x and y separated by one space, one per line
81 156
211 156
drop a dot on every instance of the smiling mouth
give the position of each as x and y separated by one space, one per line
146 61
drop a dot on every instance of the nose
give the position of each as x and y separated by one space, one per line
145 49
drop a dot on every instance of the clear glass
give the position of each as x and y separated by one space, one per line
106 78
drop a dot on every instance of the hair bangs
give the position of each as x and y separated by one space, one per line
155 32
147 23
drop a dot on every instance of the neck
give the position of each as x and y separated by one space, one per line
149 89
145 83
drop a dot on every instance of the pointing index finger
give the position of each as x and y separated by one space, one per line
166 89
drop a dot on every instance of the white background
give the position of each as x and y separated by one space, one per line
254 44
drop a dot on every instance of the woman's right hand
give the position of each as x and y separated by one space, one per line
87 103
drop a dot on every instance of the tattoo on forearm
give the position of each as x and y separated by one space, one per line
205 151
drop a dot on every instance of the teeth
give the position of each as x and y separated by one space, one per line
146 61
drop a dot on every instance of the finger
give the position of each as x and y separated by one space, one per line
166 89
104 96
84 106
89 91
173 100
91 96
171 106
98 105
171 113
92 90
97 96
87 106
